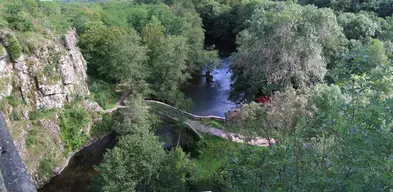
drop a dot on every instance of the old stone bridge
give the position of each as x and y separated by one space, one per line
194 122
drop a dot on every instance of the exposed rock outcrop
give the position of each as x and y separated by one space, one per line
48 73
53 74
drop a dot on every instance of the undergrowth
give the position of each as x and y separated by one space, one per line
72 124
213 153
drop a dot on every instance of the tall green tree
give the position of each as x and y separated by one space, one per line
127 61
140 163
285 45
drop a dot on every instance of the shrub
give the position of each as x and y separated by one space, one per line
105 126
72 123
103 93
46 167
14 49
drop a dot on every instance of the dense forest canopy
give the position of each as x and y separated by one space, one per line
326 65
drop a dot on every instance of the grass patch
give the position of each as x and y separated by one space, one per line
14 100
45 170
213 153
72 124
42 114
34 137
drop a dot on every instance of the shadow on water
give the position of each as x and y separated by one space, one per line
76 176
173 134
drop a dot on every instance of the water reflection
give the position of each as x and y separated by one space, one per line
211 98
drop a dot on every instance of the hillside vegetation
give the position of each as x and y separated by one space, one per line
326 66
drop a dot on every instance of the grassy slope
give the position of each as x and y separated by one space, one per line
214 152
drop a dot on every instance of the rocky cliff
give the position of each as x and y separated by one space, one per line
53 74
39 89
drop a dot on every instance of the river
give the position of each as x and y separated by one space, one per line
211 98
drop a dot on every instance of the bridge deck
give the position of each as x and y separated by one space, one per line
193 121
13 174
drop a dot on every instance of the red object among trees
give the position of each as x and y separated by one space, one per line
264 99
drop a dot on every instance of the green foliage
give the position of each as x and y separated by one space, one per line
140 163
96 47
358 26
73 122
103 93
14 99
156 64
137 114
39 114
366 67
214 123
307 162
209 60
13 47
223 20
382 8
106 125
34 137
46 167
213 153
17 18
296 57
127 61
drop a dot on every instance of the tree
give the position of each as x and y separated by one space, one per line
167 63
208 60
96 45
329 150
285 45
366 66
140 163
132 164
127 61
17 18
358 26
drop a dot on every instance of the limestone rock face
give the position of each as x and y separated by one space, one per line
53 74
6 72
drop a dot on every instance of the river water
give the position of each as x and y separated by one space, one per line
211 98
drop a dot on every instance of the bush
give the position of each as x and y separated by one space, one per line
72 123
14 49
105 126
18 19
103 94
46 167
